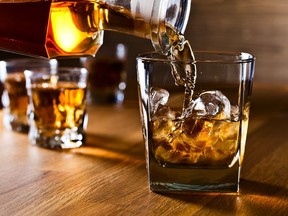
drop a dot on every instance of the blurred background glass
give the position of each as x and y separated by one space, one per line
57 107
107 74
14 98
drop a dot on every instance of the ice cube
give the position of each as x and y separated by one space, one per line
164 111
163 122
158 96
212 104
234 112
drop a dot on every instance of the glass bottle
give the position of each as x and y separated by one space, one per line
63 28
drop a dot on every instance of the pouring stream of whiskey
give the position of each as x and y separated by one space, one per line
183 64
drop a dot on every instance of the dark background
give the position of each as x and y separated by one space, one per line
259 27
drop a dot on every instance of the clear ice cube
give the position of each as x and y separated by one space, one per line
158 97
234 112
211 104
163 122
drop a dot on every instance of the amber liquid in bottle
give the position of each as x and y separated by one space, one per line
63 28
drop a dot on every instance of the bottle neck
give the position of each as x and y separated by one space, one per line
153 18
166 15
171 15
74 28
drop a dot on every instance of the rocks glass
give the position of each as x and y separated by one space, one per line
195 140
57 107
14 98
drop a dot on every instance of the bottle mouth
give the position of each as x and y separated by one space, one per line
178 15
168 14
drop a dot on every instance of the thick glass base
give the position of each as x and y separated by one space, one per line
16 124
181 179
175 187
66 139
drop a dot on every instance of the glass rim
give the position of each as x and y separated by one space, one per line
58 70
22 61
61 71
243 57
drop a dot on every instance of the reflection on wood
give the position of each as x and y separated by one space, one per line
107 176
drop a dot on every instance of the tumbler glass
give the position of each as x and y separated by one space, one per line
195 139
15 98
57 107
107 74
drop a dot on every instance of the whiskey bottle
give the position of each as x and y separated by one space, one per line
57 28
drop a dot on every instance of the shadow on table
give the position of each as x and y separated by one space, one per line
113 147
254 198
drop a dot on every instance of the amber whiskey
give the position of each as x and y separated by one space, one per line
63 28
58 107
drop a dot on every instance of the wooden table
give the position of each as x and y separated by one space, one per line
108 175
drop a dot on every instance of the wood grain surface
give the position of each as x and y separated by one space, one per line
107 176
